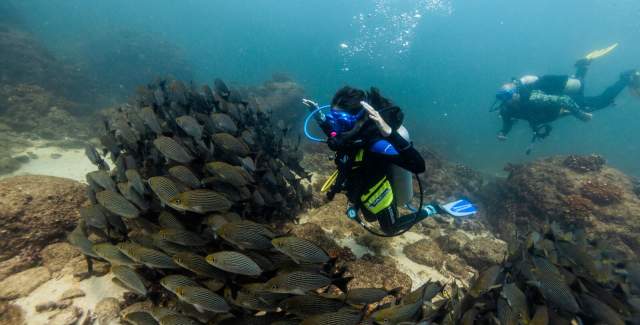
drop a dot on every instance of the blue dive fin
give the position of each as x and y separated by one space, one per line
459 208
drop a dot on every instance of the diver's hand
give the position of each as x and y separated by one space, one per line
309 103
502 137
384 128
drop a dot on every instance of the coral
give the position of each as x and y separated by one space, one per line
584 164
601 193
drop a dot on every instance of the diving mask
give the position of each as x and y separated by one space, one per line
341 121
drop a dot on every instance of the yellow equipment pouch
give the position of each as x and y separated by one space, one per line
379 197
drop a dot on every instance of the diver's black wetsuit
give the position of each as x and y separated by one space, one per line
544 100
363 163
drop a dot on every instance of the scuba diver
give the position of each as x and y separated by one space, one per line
375 160
542 100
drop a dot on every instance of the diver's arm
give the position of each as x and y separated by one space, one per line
396 150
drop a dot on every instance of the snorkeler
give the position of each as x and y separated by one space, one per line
365 131
542 100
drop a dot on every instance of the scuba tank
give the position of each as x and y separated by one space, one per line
402 179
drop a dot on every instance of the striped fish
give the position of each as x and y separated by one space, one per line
200 201
398 313
147 256
117 204
214 284
164 188
135 180
167 246
172 150
102 178
197 264
190 126
364 296
227 173
140 318
171 282
132 195
342 317
185 175
300 250
311 304
176 319
250 301
296 282
230 144
203 299
78 239
129 278
181 237
555 291
243 238
168 220
159 312
94 216
112 254
224 123
234 262
150 119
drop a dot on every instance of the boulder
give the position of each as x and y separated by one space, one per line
376 272
16 264
56 256
10 314
23 283
576 192
482 252
69 316
107 311
36 211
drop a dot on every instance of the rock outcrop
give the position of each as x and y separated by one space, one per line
36 211
576 192
23 283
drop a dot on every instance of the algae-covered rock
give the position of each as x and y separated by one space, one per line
36 211
376 272
56 256
576 192
10 314
107 311
23 283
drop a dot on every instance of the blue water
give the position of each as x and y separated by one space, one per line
440 61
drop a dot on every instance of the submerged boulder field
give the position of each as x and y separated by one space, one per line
578 192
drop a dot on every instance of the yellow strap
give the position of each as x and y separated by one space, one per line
329 182
601 52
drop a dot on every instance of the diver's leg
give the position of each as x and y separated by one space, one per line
608 96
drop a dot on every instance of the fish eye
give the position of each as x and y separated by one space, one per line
274 287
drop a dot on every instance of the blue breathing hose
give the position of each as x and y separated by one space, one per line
306 124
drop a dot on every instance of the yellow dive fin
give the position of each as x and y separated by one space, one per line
601 52
329 182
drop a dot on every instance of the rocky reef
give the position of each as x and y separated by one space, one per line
575 191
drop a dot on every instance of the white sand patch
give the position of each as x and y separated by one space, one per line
72 163
95 288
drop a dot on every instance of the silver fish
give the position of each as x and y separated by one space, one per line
172 150
129 278
234 262
117 204
300 250
185 175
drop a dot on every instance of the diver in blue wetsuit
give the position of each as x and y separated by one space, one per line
363 130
